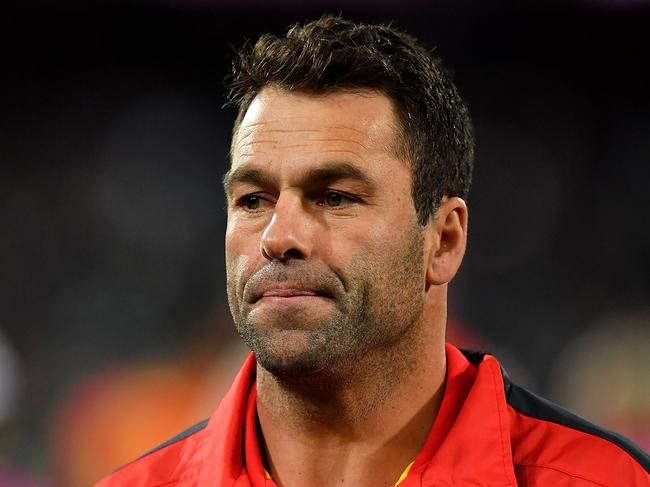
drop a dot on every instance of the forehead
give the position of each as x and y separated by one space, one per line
278 124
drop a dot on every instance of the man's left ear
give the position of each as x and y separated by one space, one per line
445 241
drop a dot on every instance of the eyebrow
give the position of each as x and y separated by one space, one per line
244 175
329 172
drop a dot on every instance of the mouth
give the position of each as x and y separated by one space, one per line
292 283
298 299
288 294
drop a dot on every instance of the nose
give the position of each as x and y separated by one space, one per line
288 233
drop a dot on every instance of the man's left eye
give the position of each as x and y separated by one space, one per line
333 199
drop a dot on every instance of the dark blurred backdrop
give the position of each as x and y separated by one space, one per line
113 143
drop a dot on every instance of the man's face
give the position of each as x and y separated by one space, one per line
324 255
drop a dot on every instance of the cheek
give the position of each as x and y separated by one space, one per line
377 237
362 252
238 269
242 255
240 239
393 250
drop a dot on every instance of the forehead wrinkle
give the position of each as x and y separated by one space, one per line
306 144
253 154
263 141
252 149
340 140
363 136
334 151
252 129
326 127
289 130
346 127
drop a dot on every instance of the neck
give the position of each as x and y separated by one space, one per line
360 426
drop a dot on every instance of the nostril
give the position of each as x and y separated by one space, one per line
293 254
288 254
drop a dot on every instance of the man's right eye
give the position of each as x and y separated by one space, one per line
252 202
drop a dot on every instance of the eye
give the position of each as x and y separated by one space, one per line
252 202
333 199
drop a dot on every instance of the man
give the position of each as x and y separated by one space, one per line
351 160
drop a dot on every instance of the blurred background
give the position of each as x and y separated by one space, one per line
114 332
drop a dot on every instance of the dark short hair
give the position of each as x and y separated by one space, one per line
330 54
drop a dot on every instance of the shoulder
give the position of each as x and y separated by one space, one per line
550 445
160 466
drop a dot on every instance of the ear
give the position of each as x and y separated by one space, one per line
445 241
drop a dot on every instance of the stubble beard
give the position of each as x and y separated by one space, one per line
298 352
382 302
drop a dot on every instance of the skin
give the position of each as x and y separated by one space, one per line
338 291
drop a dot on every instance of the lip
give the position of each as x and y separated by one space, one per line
296 299
287 293
291 282
292 300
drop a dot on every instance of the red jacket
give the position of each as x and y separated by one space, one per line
488 432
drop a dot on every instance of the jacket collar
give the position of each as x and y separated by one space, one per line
469 443
220 457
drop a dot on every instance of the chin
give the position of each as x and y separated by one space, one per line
296 355
289 353
299 347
